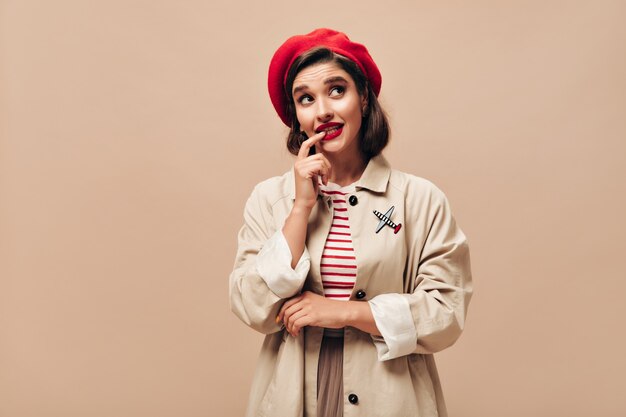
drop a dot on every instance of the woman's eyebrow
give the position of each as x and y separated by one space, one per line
299 88
335 79
326 81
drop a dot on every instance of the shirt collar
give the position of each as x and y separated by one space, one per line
376 175
374 178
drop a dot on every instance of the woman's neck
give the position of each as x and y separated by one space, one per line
345 170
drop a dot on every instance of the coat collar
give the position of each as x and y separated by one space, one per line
374 178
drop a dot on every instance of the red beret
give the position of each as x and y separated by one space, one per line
296 45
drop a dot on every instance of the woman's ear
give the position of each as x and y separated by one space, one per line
364 102
364 109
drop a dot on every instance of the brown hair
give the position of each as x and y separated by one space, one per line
374 132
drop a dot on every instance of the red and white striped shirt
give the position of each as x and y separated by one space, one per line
338 264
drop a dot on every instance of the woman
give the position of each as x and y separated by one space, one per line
357 273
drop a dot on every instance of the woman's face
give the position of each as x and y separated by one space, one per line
326 98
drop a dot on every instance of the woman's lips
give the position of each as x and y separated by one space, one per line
333 133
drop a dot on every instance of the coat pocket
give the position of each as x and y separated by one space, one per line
423 385
284 395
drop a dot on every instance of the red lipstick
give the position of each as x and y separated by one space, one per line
333 129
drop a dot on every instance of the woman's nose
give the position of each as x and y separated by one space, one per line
324 112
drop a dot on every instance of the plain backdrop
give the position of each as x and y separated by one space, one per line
132 133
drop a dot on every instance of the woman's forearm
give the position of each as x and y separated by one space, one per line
295 231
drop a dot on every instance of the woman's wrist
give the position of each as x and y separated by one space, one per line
296 222
300 209
359 315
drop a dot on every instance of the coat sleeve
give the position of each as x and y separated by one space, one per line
262 276
432 316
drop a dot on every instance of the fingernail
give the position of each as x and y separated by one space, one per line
278 319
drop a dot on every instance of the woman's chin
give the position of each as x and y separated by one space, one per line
331 147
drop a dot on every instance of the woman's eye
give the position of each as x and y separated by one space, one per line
338 89
304 99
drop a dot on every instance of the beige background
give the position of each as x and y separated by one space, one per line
133 132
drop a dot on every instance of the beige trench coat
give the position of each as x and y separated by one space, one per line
427 262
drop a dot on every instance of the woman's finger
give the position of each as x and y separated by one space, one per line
314 167
315 164
287 316
306 163
325 174
286 305
319 157
326 161
306 145
298 324
281 314
292 321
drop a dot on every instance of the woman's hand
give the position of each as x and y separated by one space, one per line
310 309
306 169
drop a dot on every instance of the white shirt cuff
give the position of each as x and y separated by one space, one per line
273 263
393 318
